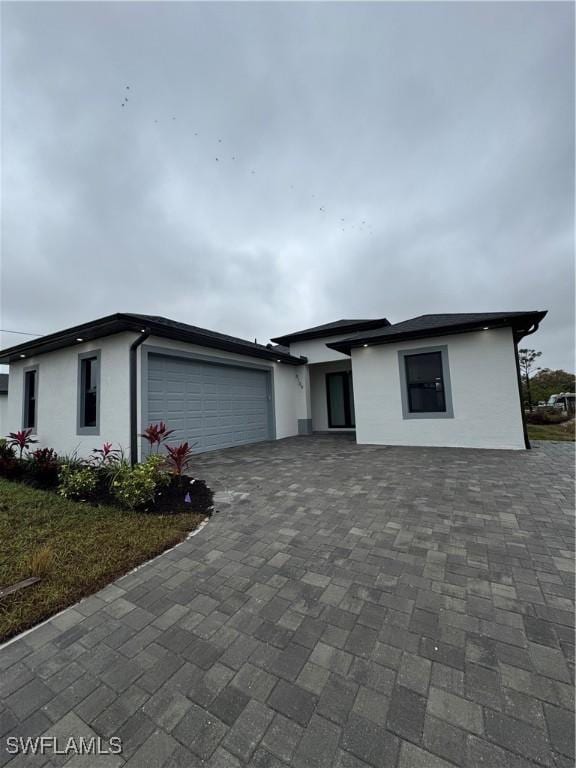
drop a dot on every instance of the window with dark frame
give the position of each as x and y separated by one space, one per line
89 378
425 383
30 390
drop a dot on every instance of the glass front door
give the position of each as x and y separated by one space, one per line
340 399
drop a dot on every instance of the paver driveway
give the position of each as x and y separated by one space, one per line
353 606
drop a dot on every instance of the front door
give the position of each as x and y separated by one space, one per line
340 400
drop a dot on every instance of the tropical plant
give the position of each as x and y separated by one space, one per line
136 487
43 466
179 458
22 440
79 483
156 434
105 455
10 467
6 450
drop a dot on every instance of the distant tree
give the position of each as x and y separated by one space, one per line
528 359
546 382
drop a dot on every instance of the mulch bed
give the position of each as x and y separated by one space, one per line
184 494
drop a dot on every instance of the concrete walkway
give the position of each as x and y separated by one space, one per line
350 606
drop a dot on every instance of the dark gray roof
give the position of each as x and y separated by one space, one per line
3 383
437 325
337 326
158 326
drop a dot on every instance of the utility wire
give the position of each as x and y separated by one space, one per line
21 333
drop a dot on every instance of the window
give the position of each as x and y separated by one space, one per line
425 381
30 398
89 393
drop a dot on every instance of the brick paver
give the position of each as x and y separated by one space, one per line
348 606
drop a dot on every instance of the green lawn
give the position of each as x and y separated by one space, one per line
75 548
562 432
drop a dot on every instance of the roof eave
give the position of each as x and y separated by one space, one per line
117 323
519 328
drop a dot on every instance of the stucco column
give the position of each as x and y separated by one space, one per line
304 408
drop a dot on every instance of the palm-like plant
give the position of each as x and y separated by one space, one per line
156 434
179 458
22 440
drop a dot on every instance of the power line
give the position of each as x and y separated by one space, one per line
20 333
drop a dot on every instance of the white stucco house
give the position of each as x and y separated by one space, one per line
434 380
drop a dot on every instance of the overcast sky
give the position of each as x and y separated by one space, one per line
277 166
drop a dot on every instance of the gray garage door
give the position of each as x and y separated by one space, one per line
214 406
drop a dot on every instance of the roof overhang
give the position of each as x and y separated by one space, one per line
118 323
521 324
322 332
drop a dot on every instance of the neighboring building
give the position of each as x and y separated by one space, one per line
435 380
3 403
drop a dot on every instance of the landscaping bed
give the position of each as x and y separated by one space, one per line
79 523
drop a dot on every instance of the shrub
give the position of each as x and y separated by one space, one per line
136 487
43 467
546 416
10 467
78 483
6 450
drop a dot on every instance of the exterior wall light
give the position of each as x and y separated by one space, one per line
365 345
79 339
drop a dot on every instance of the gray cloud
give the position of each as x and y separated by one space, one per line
447 128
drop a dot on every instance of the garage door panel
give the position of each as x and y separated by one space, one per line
214 406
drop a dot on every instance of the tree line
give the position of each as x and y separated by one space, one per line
539 383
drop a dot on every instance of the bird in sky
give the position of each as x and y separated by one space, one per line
322 209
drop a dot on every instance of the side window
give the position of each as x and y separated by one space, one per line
89 394
425 383
30 398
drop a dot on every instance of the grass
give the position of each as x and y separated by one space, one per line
75 548
563 432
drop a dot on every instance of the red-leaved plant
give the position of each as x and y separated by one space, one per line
105 455
47 456
179 458
156 434
22 440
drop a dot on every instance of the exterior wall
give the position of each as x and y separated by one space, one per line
289 396
318 393
484 394
316 350
58 392
57 402
3 415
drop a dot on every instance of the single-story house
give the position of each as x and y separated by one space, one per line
3 402
434 380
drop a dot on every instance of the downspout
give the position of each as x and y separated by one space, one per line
134 394
519 376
